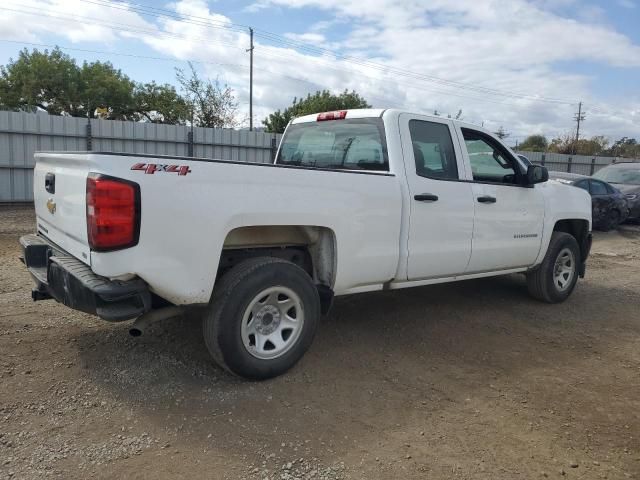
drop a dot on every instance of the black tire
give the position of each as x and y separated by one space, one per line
541 280
612 222
222 323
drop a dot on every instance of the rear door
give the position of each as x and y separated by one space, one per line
508 216
601 202
441 206
59 192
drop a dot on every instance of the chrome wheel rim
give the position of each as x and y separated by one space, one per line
272 323
564 269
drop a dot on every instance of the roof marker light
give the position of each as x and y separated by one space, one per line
337 115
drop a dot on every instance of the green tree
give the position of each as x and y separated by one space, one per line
596 145
211 104
53 82
46 80
103 86
534 143
625 147
160 104
321 101
562 144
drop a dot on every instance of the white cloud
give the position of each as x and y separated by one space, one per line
626 3
310 37
69 19
512 46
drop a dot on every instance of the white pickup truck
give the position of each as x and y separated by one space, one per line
356 201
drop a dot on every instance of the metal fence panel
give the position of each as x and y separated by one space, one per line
580 164
22 134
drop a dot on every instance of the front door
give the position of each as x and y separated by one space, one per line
508 216
441 206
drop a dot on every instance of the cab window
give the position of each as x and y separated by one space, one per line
598 188
433 150
356 144
490 162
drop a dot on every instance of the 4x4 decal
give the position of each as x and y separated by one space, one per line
151 168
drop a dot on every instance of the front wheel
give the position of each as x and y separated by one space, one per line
262 318
554 280
612 222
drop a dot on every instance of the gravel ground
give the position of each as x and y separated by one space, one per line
473 381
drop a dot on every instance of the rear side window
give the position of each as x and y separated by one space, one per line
583 184
598 188
433 150
356 144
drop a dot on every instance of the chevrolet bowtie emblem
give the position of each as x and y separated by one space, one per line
51 206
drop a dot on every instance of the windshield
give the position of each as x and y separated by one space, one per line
356 144
630 176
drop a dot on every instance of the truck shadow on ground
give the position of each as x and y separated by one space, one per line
392 357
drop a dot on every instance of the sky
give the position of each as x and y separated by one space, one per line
518 64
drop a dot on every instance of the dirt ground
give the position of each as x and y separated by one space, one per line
473 380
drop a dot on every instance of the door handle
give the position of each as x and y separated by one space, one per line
487 199
426 197
50 183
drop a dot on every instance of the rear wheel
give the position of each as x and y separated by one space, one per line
262 317
554 280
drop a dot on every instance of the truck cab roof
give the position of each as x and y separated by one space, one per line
386 112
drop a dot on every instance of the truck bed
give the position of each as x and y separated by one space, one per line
187 217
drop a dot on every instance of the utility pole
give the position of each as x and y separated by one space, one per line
579 117
501 133
250 50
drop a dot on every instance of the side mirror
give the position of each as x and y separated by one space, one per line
537 174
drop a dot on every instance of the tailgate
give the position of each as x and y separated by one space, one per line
59 192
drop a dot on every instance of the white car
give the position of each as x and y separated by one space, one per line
356 201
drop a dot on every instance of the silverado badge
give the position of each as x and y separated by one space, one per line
51 206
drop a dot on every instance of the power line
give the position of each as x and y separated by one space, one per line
207 22
152 11
156 34
174 60
121 54
122 27
407 85
383 100
302 45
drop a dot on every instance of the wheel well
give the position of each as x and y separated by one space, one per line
579 229
312 248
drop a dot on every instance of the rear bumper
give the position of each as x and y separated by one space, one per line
66 279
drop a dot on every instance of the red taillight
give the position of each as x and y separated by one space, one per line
337 115
113 213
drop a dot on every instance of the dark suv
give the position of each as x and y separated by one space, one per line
626 178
